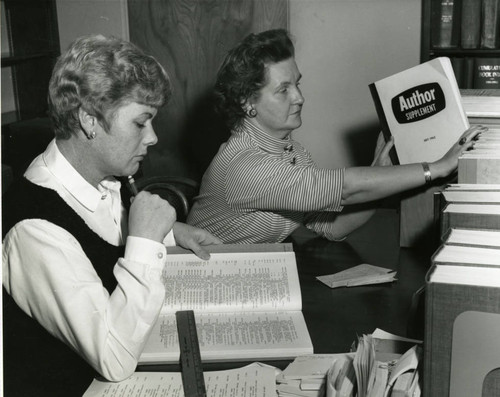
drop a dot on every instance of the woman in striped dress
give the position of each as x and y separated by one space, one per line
262 184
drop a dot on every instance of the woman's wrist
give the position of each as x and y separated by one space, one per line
437 170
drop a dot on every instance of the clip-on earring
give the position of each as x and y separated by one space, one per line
91 135
251 112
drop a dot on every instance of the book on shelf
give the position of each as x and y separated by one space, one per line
445 23
470 196
246 300
470 216
486 73
481 103
472 238
462 319
458 65
421 108
472 187
470 24
479 167
490 27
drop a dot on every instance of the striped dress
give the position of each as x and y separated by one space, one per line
259 189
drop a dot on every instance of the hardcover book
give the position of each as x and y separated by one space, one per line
471 24
246 300
421 108
490 27
445 23
486 73
470 216
462 318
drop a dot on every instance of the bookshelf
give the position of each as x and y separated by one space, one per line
33 46
452 45
30 47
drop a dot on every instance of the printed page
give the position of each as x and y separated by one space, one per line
251 381
230 282
233 336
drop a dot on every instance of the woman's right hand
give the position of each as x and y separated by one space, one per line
449 162
150 217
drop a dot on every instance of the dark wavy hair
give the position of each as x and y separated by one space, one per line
100 74
243 71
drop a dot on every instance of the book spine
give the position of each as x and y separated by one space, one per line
486 73
445 20
473 221
444 302
383 122
471 23
428 338
490 27
479 170
458 68
468 78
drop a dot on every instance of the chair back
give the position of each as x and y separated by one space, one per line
178 191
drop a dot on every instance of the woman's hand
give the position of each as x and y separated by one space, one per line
194 238
449 162
381 157
150 217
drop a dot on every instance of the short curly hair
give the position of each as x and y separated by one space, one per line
243 71
99 74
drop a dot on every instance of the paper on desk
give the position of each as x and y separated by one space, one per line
363 274
254 380
312 366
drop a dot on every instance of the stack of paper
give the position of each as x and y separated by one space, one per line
359 275
306 375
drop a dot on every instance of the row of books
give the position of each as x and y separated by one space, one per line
476 72
465 24
462 304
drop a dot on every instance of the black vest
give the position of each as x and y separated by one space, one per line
36 363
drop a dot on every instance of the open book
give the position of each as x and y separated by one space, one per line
421 108
247 305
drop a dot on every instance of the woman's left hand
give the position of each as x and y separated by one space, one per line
193 238
381 157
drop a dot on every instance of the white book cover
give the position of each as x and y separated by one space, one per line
421 108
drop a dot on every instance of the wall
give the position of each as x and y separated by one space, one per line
341 47
80 17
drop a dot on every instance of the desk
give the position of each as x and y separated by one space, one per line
336 316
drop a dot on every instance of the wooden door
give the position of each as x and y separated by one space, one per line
190 38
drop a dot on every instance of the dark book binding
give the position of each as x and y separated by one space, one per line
490 26
445 23
486 73
471 23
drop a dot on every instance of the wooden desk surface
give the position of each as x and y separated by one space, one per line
336 316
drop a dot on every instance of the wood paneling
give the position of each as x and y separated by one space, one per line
190 38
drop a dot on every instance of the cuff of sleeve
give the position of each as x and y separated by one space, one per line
143 250
169 240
